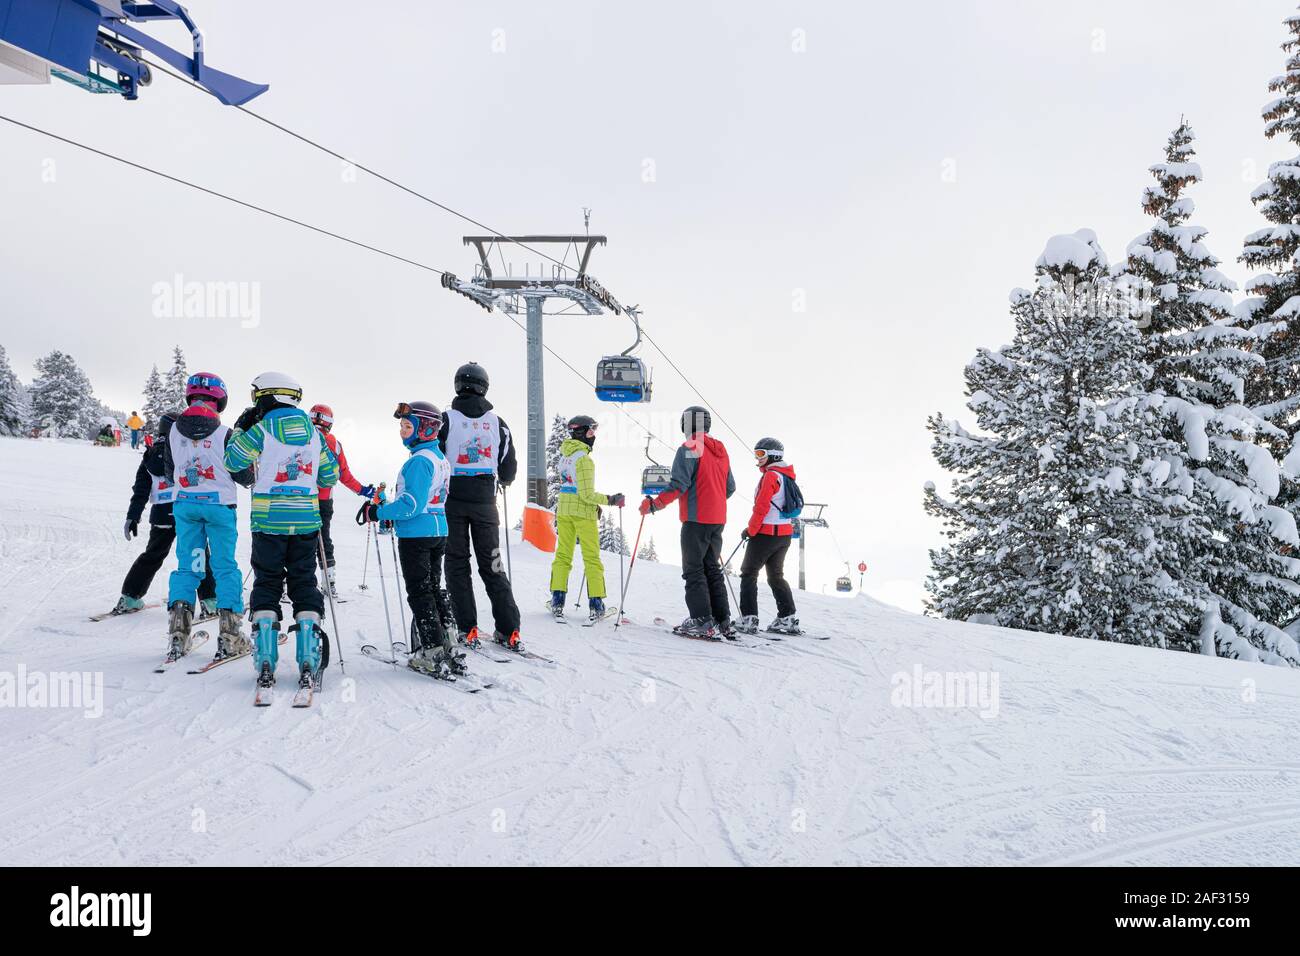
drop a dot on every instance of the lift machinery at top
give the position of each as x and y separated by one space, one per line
94 44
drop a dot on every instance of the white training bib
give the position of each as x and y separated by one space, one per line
473 444
161 491
569 472
287 469
200 468
437 503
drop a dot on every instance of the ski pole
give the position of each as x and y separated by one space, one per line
334 614
365 568
388 621
631 564
578 603
401 586
622 545
505 512
727 577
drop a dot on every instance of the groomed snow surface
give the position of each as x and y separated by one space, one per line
637 748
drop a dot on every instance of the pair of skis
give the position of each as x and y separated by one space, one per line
465 683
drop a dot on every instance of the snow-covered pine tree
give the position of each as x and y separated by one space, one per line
1052 522
13 399
607 533
174 392
156 402
647 552
61 396
1229 540
559 432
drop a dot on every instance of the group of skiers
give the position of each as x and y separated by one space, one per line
443 506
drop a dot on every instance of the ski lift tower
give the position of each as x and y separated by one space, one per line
811 517
552 279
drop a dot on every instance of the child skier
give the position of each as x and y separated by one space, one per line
293 462
204 513
153 486
322 416
768 535
419 516
478 446
703 482
576 512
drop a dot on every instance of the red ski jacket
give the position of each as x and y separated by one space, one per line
702 481
764 519
345 473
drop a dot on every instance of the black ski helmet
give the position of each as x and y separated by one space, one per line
696 419
471 377
772 448
165 422
578 427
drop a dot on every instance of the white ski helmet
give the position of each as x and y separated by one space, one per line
284 389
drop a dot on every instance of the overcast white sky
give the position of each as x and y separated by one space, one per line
901 174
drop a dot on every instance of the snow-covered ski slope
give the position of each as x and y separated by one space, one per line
637 748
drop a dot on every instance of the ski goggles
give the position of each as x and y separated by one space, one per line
202 380
760 454
294 393
404 410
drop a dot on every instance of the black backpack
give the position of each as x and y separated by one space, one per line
793 498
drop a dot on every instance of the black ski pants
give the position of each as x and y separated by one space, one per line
431 614
156 551
478 522
706 588
326 516
281 558
766 551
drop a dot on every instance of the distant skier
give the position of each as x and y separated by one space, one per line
419 515
136 424
292 464
577 509
769 534
204 511
478 446
701 484
153 486
322 416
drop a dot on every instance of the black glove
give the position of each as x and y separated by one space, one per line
616 501
745 535
131 529
248 418
367 513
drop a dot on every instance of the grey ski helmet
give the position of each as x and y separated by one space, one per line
471 377
165 422
771 448
696 419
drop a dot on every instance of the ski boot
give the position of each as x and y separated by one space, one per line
595 609
726 629
747 624
696 627
180 617
330 587
231 641
557 604
127 605
511 642
785 625
207 607
266 646
469 638
438 657
311 643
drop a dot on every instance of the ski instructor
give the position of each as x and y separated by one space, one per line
701 484
481 452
